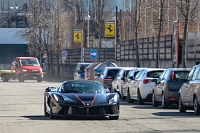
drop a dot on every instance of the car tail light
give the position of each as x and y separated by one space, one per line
107 79
172 76
145 81
172 99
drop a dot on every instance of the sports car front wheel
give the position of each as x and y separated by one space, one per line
113 117
45 109
51 114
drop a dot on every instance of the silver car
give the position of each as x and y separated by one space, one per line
189 93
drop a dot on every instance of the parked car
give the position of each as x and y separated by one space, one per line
107 76
80 71
141 87
93 70
119 80
189 93
168 85
130 76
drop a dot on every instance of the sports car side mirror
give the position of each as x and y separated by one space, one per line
48 89
106 90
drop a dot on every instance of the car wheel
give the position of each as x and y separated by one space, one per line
113 117
45 109
154 102
51 114
182 108
196 106
122 94
139 98
21 78
164 102
4 78
39 79
129 97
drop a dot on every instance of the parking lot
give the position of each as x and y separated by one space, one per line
21 111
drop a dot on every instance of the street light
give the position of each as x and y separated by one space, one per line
88 30
16 10
88 18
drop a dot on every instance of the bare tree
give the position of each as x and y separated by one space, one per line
99 11
188 11
134 11
160 23
47 32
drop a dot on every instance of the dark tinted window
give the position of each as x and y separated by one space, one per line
154 74
126 72
79 87
112 73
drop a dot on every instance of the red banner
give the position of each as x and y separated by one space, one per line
175 44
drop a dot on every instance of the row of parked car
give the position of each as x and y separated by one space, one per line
179 86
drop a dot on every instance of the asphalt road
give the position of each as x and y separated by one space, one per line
21 111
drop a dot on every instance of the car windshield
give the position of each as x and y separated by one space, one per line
82 87
29 62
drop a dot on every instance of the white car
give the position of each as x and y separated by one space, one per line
130 76
119 80
141 87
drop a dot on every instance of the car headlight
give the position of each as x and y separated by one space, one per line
24 70
58 99
113 100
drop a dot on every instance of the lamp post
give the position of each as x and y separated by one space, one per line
16 10
88 24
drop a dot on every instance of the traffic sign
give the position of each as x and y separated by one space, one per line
78 35
110 29
93 54
64 53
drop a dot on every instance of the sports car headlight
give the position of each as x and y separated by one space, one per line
58 99
113 100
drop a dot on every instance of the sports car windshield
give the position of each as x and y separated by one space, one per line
82 87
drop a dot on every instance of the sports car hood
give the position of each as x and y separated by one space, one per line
90 99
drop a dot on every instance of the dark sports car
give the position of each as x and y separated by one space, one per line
80 98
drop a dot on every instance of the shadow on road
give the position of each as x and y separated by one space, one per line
41 117
176 114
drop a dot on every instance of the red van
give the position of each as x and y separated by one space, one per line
28 68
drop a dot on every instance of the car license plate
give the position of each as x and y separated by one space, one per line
34 77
